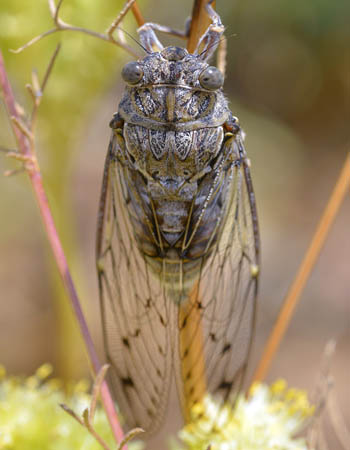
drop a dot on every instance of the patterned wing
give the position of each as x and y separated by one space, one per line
136 317
216 326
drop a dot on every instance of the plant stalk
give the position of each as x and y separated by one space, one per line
26 148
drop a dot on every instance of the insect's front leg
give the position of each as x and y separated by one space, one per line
118 147
149 39
235 134
232 125
230 154
211 38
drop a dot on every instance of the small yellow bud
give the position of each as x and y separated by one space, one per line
253 388
82 386
44 371
55 384
32 382
197 409
278 387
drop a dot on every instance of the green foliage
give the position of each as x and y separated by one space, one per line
84 68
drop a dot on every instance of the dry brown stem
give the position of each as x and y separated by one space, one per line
293 296
199 24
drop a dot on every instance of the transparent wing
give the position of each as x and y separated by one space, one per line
216 327
149 337
135 313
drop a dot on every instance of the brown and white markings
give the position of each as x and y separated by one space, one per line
177 241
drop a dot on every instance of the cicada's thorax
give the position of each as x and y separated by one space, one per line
175 170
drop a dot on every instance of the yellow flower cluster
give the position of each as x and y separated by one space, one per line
31 418
266 420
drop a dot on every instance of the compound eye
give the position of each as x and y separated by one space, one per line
132 72
211 78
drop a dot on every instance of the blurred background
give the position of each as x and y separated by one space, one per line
288 80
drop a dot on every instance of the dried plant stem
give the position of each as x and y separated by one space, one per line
26 149
199 24
130 5
137 14
119 18
293 296
192 353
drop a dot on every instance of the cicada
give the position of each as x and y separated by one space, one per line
177 241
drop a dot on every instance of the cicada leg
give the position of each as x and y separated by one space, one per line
149 39
207 44
210 40
221 55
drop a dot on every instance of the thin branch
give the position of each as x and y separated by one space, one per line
23 128
88 414
12 106
96 390
26 148
72 413
38 90
55 13
340 190
20 157
30 89
60 25
20 110
84 422
130 435
11 173
35 81
49 68
92 431
119 18
8 150
35 39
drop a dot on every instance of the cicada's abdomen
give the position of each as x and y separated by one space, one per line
176 199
